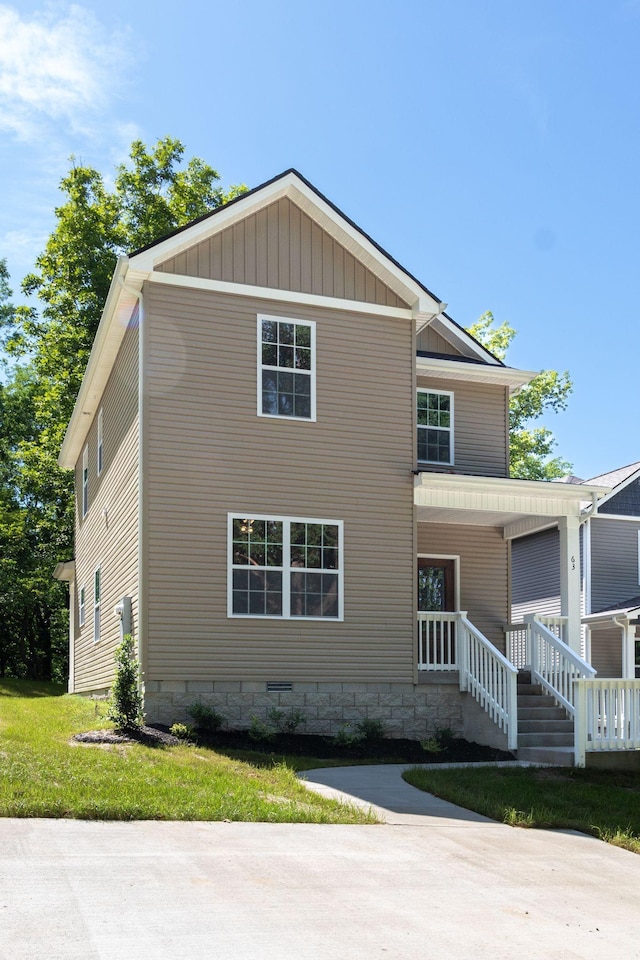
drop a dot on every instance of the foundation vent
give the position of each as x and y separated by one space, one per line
279 686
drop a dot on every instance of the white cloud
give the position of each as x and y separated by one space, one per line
58 67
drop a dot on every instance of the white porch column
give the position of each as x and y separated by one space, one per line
628 649
570 578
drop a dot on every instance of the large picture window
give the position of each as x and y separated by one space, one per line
285 567
435 426
286 368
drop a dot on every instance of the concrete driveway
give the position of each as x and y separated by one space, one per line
445 885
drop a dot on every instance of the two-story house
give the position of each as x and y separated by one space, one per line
292 474
610 574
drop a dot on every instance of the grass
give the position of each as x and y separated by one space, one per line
602 803
42 774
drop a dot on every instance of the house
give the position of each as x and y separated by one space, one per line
609 572
292 476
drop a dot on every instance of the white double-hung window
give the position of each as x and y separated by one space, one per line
85 481
286 368
285 567
435 426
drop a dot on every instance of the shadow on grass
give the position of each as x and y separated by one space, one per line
10 687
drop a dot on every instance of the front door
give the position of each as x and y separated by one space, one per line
436 584
436 594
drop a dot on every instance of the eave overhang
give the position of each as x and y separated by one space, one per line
65 570
517 506
120 304
436 368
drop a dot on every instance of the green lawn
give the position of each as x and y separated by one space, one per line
42 774
603 803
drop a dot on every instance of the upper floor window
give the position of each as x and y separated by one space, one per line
85 481
100 454
435 426
285 567
286 368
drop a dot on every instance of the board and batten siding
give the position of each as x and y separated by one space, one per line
481 420
430 341
208 453
108 536
483 571
280 246
535 575
614 562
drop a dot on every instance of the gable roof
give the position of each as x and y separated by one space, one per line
131 273
616 478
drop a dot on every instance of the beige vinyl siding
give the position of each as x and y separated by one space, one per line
606 652
614 562
209 453
483 571
282 247
108 535
430 341
481 423
535 575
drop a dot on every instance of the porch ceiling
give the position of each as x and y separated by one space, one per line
518 506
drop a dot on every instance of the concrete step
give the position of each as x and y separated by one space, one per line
524 676
545 726
540 713
531 690
536 740
554 756
543 700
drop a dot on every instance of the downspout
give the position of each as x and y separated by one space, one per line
626 666
142 583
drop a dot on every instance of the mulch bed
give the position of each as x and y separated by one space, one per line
449 750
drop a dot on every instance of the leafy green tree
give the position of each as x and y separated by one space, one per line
153 194
531 447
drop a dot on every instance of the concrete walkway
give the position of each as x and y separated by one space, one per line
445 885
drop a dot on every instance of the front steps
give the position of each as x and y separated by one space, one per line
545 734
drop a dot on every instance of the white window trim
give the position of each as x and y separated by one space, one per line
286 567
443 393
97 624
82 602
639 556
100 445
85 481
312 373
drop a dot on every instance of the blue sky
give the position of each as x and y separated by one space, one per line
491 146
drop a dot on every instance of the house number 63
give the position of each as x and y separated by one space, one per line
573 563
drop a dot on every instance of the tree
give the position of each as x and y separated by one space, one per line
530 447
152 195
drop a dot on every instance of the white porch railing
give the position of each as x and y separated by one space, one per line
448 641
554 664
607 716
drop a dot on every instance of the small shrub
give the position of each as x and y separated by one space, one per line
181 730
125 701
431 745
205 718
347 736
370 729
286 722
439 742
260 731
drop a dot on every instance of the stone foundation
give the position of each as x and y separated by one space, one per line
415 712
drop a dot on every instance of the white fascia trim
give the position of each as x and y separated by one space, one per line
283 296
628 518
113 325
438 368
65 570
321 212
619 488
459 338
629 614
537 497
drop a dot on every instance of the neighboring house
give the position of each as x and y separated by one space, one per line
292 474
609 570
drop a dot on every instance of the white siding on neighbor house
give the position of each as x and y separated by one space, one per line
480 425
208 453
614 562
107 536
281 247
483 571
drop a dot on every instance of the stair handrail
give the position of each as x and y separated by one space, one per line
554 664
488 676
